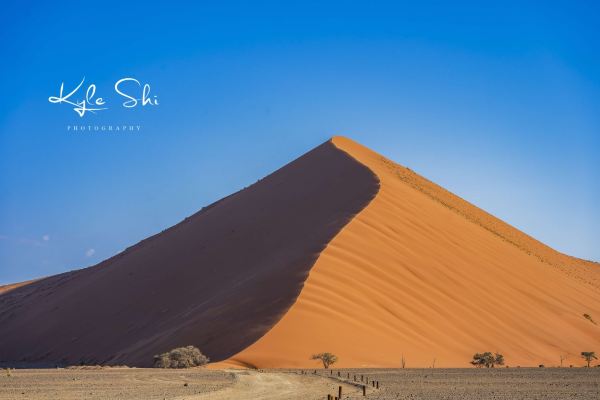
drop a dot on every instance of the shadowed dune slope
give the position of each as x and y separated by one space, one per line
423 274
218 280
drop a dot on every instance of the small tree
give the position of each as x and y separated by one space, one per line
487 360
326 358
182 357
588 356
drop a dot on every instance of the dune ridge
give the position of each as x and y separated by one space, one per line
9 287
569 264
218 280
423 274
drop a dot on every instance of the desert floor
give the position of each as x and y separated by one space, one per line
147 384
471 383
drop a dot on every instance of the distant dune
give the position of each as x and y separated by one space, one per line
341 250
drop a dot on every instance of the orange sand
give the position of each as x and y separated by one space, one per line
422 273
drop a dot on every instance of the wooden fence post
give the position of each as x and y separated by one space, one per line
364 390
339 392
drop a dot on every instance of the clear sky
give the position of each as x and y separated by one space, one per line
499 104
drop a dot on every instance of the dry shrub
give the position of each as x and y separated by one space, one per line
182 357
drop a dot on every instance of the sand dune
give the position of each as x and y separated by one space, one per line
341 250
424 274
218 280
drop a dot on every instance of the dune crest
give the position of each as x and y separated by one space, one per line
218 280
423 274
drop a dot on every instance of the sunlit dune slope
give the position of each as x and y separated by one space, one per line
423 274
218 280
8 288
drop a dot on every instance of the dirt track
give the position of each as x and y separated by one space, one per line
280 385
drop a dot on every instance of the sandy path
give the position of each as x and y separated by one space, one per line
280 385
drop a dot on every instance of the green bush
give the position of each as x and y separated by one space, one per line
487 360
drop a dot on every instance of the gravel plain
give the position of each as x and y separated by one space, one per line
471 384
110 383
200 384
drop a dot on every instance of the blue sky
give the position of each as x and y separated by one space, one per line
499 104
